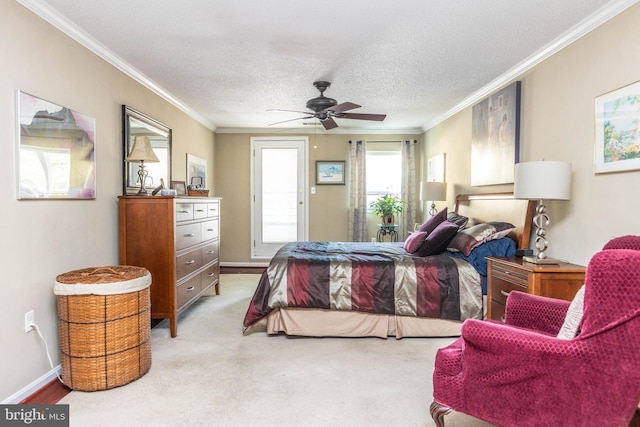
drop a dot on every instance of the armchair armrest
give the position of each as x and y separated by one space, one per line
537 313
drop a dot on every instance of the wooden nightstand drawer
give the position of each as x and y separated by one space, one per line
513 274
515 277
500 289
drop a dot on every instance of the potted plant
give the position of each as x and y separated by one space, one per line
386 207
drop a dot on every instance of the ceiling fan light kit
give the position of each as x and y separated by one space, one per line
326 109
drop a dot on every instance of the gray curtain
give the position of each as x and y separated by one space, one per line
408 189
357 191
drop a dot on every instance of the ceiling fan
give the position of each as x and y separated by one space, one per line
326 109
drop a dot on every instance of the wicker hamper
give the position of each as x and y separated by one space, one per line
104 324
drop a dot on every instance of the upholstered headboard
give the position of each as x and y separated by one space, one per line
499 207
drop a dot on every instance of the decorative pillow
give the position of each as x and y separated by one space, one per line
572 320
433 222
437 241
413 242
471 237
459 220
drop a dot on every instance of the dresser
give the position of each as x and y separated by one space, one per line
504 275
177 240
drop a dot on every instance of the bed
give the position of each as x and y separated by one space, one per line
355 289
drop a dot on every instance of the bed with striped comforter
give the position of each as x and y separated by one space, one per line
367 277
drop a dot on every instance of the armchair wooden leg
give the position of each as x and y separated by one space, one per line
438 412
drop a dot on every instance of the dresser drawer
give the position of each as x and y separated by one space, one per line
213 209
188 235
199 210
188 290
184 211
209 253
188 263
209 229
209 276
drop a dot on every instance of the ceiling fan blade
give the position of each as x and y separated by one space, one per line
290 111
329 123
290 120
342 107
375 117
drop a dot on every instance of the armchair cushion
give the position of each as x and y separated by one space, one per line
572 320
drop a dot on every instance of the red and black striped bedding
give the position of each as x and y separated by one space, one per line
367 277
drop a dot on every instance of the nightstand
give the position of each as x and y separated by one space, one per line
504 275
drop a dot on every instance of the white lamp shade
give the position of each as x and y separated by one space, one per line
542 180
142 151
436 191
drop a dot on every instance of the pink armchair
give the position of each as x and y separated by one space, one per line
520 374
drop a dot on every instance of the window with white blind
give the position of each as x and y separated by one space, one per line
384 170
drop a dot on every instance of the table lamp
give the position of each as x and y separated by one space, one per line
142 152
434 191
542 181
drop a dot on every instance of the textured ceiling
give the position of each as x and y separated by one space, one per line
414 60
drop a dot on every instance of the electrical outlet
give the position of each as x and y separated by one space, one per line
29 320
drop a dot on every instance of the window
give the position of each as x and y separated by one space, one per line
384 170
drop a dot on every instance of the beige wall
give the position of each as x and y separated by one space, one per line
45 238
558 124
328 208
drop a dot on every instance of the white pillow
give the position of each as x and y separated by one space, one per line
572 320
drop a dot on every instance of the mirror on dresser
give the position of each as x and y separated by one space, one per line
134 123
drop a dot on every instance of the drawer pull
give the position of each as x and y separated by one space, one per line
191 261
199 210
211 252
189 235
505 294
211 274
184 211
190 288
209 229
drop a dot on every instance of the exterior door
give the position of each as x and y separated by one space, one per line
279 180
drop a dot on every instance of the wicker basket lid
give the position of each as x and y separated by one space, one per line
108 280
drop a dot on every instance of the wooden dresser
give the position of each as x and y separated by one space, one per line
504 275
177 240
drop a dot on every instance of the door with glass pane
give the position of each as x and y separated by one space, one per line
279 182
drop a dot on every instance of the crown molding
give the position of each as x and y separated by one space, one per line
591 23
311 131
53 17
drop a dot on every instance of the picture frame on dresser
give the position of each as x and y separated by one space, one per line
180 187
196 171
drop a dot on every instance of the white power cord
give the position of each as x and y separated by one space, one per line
46 347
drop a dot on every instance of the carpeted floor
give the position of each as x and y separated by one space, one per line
212 375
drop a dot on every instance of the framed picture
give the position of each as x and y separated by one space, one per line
56 151
617 135
330 172
196 171
435 168
180 187
495 137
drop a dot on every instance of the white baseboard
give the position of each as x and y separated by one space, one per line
27 391
244 264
